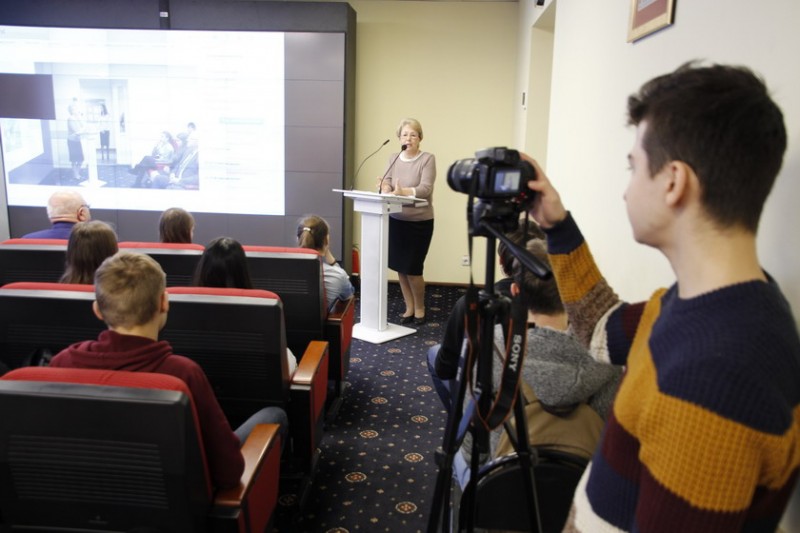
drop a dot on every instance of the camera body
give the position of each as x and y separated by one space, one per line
498 178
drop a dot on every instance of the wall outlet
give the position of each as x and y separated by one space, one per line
465 261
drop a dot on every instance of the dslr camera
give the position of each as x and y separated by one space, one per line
498 178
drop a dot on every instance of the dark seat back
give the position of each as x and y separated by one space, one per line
238 337
178 260
37 319
294 274
501 501
32 260
95 450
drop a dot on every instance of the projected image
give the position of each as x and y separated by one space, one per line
146 119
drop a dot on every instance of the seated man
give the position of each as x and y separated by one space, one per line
64 209
556 367
131 298
443 358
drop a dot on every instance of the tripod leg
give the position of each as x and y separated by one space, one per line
440 504
527 459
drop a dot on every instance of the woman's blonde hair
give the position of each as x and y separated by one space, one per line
413 124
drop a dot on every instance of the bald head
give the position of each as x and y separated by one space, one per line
67 206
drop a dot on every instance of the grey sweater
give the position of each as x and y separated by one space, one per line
561 373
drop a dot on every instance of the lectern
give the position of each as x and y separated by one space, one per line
375 209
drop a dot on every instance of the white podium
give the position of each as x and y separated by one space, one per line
90 141
375 209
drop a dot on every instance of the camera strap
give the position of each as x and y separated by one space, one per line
516 347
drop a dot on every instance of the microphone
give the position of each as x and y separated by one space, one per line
380 185
370 155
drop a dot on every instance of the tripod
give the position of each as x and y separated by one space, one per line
483 310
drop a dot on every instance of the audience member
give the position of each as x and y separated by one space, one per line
704 430
90 243
313 232
132 300
443 358
556 367
176 225
64 209
224 264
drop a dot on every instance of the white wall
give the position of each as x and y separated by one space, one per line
594 70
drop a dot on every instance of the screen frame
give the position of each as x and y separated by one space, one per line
294 18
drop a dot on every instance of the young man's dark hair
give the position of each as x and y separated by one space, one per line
721 121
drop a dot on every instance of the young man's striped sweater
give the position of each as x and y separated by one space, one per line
704 434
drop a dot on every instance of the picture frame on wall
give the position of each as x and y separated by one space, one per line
648 16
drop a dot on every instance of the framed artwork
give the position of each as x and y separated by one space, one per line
648 16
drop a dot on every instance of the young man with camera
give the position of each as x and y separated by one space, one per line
704 431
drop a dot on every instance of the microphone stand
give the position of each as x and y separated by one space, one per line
380 185
370 155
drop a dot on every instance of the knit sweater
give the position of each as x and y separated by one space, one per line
704 433
113 351
560 372
418 172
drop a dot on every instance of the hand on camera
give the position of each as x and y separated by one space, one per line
547 209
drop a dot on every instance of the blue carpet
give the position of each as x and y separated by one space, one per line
377 470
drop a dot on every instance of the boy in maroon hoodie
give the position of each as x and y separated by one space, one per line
131 298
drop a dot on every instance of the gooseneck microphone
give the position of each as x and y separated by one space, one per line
380 185
370 155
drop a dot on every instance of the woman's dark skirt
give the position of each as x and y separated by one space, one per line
75 149
408 245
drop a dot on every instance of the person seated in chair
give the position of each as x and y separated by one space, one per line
90 243
64 209
224 264
131 298
443 357
161 155
557 367
176 225
313 232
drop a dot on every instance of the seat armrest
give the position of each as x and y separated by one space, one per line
340 308
308 391
339 333
315 357
250 506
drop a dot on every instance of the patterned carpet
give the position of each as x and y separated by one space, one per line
376 471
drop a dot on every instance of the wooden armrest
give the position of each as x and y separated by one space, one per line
261 442
340 309
316 355
339 332
251 505
308 391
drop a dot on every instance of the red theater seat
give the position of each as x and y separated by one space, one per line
97 450
238 337
57 242
134 245
295 274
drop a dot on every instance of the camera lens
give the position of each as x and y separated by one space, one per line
461 173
